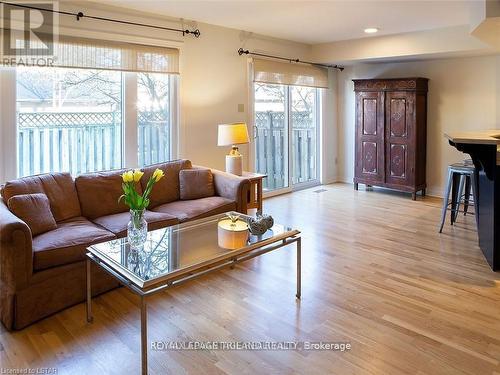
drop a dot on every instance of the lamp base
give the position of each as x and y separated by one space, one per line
234 164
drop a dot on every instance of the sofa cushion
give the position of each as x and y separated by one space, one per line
34 210
58 187
197 208
196 183
66 244
99 193
167 189
117 223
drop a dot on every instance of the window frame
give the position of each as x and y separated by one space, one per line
319 98
9 133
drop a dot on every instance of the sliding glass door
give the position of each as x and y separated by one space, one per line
271 135
286 141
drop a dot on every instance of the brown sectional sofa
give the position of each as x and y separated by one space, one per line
43 274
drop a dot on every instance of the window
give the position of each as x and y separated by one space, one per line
287 102
154 117
103 104
73 119
68 120
286 134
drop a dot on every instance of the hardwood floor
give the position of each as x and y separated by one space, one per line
376 273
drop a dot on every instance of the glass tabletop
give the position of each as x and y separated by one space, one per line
173 249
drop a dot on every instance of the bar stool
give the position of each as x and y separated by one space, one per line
461 180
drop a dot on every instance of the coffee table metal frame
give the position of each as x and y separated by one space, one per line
144 289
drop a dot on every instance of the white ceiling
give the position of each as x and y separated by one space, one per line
313 21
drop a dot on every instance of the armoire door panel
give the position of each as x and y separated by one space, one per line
397 119
399 137
369 119
398 161
370 136
370 157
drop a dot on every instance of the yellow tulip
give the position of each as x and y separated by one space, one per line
158 174
137 175
128 176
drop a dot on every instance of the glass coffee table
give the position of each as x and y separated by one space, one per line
177 254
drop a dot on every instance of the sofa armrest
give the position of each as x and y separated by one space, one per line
16 251
232 187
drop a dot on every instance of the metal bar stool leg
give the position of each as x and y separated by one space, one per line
446 199
467 193
460 193
455 184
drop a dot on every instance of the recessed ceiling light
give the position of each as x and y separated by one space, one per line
371 30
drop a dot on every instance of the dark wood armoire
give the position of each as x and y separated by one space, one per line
391 132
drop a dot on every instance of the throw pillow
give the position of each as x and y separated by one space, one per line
196 183
34 210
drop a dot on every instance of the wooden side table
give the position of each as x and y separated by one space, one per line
254 197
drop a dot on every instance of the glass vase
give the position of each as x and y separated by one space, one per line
137 229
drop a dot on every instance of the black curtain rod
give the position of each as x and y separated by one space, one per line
80 15
242 51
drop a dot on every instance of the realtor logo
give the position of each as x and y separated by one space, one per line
28 32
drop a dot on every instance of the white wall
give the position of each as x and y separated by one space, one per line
329 130
7 133
464 94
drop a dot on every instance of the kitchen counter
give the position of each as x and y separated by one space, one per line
485 137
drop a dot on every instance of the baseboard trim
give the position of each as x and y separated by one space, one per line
436 192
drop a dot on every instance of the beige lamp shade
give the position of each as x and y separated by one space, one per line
232 134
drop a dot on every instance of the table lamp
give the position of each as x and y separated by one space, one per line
232 135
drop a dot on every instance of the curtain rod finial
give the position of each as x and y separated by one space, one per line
241 51
196 32
79 15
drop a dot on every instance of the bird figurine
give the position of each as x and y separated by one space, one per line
260 224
